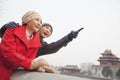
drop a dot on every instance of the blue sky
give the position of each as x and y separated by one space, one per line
100 19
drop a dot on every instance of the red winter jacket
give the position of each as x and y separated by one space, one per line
16 50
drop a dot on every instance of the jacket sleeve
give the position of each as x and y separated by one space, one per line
52 47
9 53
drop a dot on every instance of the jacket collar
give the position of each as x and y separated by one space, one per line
20 32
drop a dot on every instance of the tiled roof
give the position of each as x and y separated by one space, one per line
71 67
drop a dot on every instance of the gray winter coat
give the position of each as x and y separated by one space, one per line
52 47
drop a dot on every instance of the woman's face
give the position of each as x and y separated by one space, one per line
45 31
34 25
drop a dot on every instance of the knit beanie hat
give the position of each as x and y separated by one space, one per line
30 15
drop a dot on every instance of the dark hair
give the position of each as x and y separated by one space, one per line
47 24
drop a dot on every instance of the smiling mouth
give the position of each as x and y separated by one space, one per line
45 33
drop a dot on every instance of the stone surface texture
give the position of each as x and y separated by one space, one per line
33 75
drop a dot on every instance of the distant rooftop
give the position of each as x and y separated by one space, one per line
109 53
71 67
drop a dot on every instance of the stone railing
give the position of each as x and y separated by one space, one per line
33 75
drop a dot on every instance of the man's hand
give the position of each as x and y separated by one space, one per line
74 34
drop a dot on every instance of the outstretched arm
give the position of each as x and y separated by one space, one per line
55 46
52 47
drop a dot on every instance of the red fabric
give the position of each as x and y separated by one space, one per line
16 50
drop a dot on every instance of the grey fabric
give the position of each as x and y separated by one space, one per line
7 25
52 47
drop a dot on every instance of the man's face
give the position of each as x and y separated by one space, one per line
45 31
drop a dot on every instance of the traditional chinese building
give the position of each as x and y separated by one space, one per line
70 70
109 59
109 67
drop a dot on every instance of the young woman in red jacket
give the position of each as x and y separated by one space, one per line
19 46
